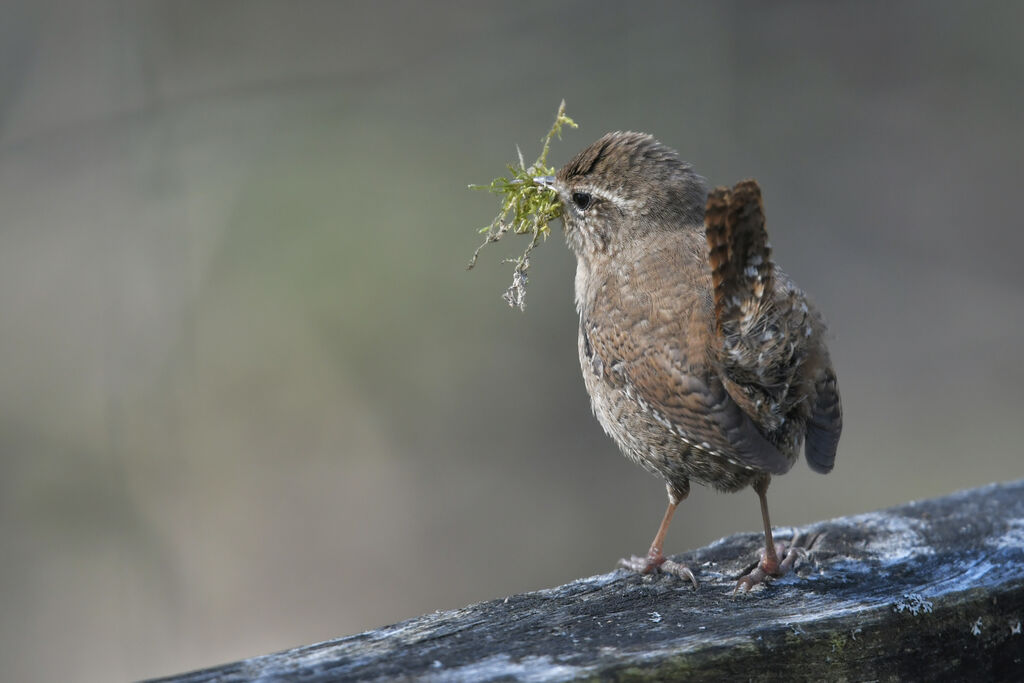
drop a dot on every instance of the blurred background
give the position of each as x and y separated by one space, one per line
249 396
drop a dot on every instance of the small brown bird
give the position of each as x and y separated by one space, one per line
702 359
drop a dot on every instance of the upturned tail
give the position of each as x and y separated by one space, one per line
761 331
739 254
768 339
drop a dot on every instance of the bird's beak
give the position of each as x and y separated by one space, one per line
545 180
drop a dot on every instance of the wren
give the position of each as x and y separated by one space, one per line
703 360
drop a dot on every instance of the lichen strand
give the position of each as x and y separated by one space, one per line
527 208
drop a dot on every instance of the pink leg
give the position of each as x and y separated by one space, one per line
656 559
770 565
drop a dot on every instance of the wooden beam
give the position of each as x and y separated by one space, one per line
928 590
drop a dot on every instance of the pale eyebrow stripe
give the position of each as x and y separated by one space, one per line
612 197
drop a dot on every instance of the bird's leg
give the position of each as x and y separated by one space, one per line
655 559
770 564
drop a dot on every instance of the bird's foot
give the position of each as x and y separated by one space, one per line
657 562
773 565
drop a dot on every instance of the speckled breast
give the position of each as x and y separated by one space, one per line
647 437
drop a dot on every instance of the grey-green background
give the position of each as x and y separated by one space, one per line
249 396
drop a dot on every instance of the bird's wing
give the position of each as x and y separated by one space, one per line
677 391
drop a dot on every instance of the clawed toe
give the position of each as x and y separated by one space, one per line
650 564
774 565
680 570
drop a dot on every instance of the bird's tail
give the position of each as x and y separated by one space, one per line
740 256
765 330
757 342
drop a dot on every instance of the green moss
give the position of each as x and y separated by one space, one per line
527 208
838 643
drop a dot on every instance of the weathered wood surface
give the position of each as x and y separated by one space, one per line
929 590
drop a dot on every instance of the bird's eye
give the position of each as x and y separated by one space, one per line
582 200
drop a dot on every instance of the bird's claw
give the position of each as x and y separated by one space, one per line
650 564
783 562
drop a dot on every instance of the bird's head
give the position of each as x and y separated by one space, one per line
623 187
